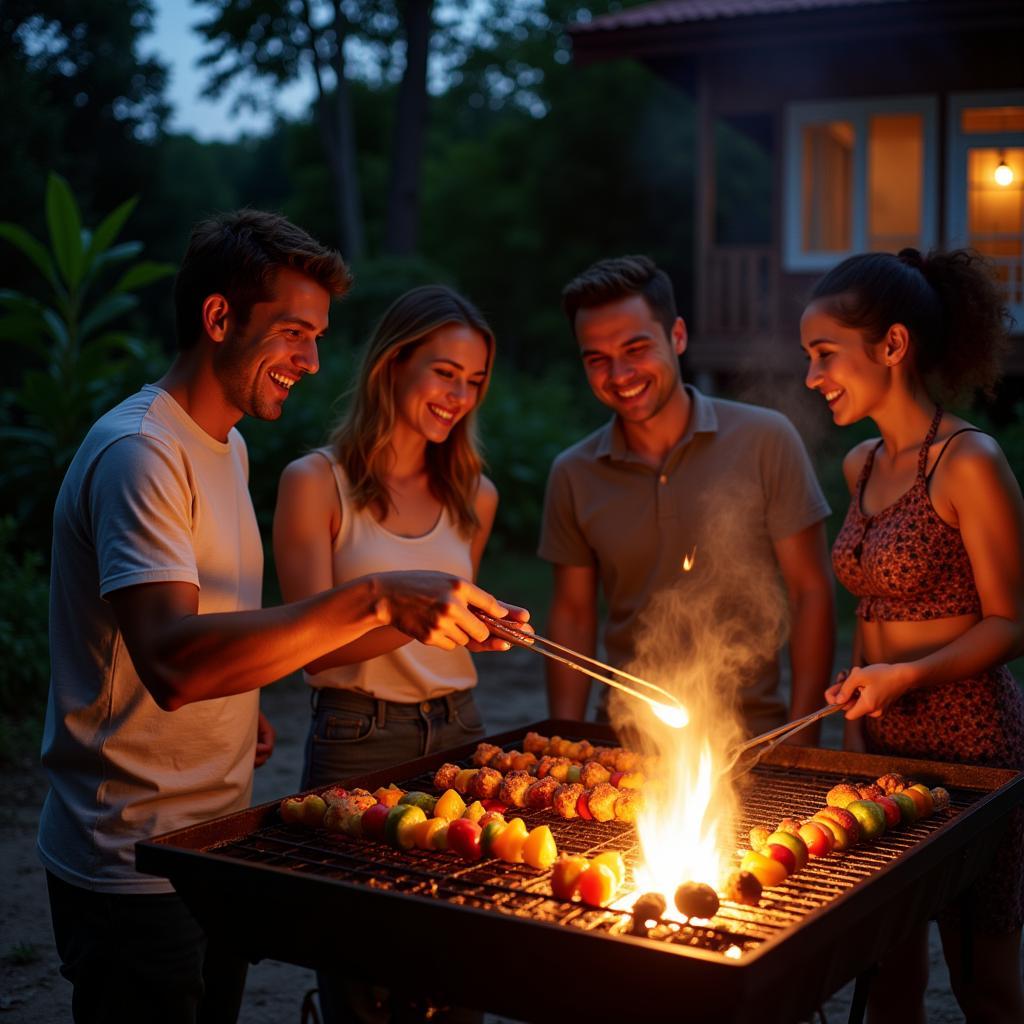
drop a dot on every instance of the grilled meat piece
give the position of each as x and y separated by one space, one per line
870 791
555 766
542 792
523 762
485 784
743 887
891 783
593 773
444 777
514 787
628 804
557 746
581 750
842 794
483 754
625 760
565 799
534 743
601 801
502 761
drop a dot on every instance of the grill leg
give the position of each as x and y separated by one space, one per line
860 995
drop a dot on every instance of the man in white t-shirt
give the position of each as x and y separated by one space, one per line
158 642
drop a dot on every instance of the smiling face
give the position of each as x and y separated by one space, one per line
848 372
258 364
439 381
631 364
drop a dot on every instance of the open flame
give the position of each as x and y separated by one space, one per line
689 559
686 822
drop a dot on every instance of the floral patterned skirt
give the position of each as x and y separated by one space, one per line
973 721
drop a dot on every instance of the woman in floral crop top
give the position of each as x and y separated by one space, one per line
932 545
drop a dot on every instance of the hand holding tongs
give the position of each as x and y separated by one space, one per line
771 739
669 710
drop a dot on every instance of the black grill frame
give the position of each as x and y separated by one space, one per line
490 934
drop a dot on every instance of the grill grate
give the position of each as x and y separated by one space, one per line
775 792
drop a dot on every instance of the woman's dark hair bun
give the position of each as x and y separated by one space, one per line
951 302
911 257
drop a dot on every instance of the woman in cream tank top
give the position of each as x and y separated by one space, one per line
398 487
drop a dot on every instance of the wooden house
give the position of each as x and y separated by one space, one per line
887 123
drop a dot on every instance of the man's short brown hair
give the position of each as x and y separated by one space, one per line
238 255
618 278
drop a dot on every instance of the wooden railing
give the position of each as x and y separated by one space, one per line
740 295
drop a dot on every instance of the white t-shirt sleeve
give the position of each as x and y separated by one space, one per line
140 502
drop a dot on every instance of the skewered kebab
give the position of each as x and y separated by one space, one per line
852 814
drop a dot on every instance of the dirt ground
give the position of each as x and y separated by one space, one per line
33 992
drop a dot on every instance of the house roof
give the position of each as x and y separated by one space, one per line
669 28
677 12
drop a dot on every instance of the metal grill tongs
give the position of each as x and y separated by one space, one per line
666 706
754 749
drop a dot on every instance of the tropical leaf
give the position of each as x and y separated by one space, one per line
109 229
115 254
65 224
106 310
142 274
26 435
56 327
32 248
26 330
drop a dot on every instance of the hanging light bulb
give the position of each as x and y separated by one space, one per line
1003 172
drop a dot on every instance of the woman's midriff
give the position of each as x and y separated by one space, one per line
889 642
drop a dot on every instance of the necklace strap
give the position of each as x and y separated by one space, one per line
922 458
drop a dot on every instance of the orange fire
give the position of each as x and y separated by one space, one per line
689 559
686 825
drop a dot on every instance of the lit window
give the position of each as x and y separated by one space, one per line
860 175
995 214
985 185
895 176
987 120
827 186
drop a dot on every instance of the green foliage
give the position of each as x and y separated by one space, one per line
21 954
78 364
24 649
525 422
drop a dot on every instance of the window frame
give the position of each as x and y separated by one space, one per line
858 112
958 142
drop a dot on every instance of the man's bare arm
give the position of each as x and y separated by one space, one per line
182 656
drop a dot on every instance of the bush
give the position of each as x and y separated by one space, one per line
24 645
525 422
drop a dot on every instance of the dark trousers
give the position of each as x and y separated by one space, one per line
140 957
352 734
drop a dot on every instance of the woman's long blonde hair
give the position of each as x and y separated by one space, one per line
361 437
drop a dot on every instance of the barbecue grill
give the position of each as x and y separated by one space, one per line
490 934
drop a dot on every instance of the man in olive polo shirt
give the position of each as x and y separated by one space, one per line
678 478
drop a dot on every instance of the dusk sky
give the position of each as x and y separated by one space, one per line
179 47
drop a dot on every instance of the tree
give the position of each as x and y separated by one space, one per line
255 40
400 234
81 99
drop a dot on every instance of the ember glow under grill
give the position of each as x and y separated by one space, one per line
334 898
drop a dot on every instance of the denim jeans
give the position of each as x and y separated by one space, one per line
352 734
135 957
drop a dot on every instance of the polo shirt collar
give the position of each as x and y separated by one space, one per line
703 420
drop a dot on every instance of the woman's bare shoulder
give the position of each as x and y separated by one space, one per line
853 461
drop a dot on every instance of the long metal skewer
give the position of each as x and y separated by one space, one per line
771 739
542 645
